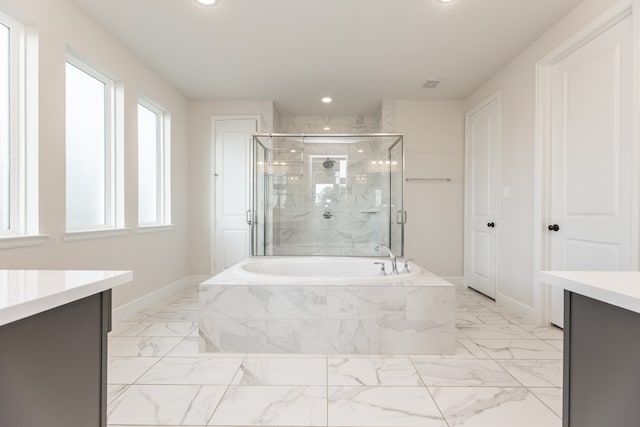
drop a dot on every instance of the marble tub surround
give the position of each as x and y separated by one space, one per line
244 311
336 390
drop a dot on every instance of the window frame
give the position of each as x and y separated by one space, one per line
163 166
114 197
14 188
23 136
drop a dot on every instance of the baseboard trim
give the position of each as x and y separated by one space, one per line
132 307
516 307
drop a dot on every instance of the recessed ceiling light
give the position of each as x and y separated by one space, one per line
445 1
327 100
326 128
207 2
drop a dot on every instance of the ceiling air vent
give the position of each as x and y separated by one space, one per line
432 83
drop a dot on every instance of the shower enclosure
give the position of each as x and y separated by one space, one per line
333 195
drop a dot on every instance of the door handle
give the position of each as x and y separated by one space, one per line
554 227
401 217
491 225
250 217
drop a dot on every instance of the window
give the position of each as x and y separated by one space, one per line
93 165
153 166
5 133
18 135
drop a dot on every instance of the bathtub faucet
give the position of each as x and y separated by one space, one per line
394 265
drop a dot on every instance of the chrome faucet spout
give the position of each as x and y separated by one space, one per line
394 264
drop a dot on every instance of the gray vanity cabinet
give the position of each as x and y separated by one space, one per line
53 366
601 364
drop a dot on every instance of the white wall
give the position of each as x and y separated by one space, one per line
157 259
434 147
516 82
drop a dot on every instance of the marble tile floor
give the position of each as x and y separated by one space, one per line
506 372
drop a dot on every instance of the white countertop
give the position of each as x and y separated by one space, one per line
619 288
24 293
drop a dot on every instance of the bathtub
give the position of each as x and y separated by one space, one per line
326 305
324 269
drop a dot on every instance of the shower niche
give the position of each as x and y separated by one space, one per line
332 195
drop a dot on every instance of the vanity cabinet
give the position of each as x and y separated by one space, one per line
601 367
53 364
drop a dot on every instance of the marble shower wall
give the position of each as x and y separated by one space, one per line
345 209
356 192
338 124
386 117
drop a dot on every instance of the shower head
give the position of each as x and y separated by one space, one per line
328 164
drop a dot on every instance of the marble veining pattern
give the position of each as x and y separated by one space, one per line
126 370
353 302
142 346
535 373
448 372
187 370
281 371
346 371
286 302
165 405
493 406
413 315
377 406
272 406
352 336
495 331
550 396
519 349
165 381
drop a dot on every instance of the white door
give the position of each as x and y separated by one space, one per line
233 157
482 131
592 158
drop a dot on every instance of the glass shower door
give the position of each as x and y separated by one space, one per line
398 214
327 195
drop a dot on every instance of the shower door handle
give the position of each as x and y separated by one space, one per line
250 217
401 217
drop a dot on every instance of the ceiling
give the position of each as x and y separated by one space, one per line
297 51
